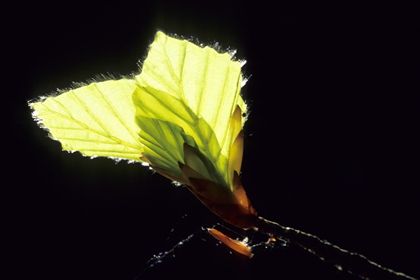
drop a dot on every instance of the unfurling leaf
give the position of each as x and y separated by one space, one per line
195 88
183 115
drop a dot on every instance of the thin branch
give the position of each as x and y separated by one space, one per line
353 263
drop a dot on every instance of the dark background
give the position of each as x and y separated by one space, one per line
331 141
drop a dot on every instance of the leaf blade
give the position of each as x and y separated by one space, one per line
207 82
202 88
96 120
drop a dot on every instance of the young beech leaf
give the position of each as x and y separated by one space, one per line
182 114
96 120
196 88
164 154
204 80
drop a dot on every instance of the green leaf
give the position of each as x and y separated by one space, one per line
183 114
185 94
163 143
96 120
158 105
193 87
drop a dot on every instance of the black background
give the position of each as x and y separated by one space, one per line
331 141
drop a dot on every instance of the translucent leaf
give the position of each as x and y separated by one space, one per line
158 105
195 88
185 94
163 143
96 120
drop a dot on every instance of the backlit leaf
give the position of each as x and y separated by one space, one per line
185 94
96 120
196 88
183 115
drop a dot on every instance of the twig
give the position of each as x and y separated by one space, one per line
353 263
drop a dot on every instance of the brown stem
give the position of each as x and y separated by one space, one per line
353 263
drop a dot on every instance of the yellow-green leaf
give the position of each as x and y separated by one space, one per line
96 120
193 87
185 94
183 114
163 143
